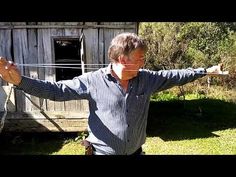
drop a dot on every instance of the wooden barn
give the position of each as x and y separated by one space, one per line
34 43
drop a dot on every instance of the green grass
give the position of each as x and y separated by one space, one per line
204 126
70 148
197 126
222 144
41 144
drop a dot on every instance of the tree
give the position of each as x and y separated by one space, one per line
209 43
165 49
189 44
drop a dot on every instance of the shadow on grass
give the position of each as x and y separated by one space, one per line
190 119
43 143
23 135
169 120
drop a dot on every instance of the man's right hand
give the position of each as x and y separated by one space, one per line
216 70
9 72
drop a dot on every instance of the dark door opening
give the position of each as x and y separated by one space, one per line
67 53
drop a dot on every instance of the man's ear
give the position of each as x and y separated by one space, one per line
122 59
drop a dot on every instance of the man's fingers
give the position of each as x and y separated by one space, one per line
3 74
10 65
6 68
3 61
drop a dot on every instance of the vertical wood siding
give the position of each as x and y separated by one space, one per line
34 45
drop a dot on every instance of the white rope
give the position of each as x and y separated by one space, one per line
84 66
68 66
65 67
5 110
55 64
64 64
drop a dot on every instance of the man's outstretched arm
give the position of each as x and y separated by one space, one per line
9 72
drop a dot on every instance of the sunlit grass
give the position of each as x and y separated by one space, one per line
225 144
71 147
200 125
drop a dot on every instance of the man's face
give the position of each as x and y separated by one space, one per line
133 63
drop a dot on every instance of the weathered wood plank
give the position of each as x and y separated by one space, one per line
73 31
32 59
82 106
55 32
72 105
5 44
101 49
41 71
47 48
5 47
36 122
109 34
51 114
4 92
91 46
34 45
20 50
87 26
41 125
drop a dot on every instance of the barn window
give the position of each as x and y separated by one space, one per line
67 54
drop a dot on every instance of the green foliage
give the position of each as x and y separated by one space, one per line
164 96
165 49
190 44
210 40
81 136
194 91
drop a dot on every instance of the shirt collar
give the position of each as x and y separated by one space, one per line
108 70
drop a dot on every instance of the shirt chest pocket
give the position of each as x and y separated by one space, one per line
140 101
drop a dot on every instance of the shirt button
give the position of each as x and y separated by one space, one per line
127 140
128 125
127 110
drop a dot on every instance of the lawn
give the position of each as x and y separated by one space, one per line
196 126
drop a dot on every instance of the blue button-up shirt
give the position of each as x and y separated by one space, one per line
117 120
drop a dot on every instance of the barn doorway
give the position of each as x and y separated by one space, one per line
66 55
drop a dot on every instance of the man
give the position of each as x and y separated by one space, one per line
118 95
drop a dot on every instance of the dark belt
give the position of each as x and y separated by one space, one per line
89 149
138 152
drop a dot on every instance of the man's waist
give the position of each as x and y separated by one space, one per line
92 149
139 151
